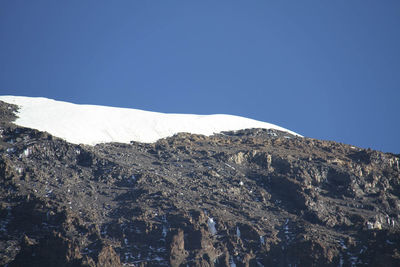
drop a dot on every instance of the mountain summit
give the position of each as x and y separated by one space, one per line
250 197
90 124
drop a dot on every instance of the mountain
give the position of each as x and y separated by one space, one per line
91 125
222 196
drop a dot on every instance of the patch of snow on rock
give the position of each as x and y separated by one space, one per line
211 226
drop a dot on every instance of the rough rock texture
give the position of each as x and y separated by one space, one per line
247 198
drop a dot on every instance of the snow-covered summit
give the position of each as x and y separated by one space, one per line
90 124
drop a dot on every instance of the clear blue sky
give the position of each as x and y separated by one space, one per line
325 69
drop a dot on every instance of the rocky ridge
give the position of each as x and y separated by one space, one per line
246 198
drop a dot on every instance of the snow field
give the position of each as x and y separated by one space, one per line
91 124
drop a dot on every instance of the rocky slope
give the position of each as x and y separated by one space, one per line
246 198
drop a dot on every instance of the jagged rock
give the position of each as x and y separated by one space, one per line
108 258
177 252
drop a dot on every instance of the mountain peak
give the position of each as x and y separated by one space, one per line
92 124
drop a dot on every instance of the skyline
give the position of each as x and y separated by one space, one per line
324 70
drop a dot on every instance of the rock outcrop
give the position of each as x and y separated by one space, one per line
247 198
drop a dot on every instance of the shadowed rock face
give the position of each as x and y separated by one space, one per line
249 198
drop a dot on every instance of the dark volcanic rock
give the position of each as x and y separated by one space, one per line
247 198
